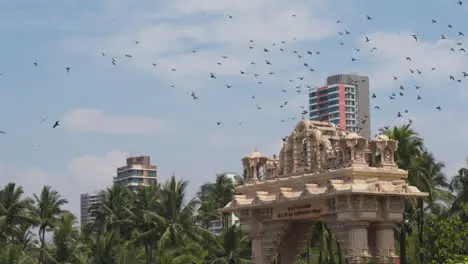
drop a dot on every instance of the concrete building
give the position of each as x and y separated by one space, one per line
87 201
344 101
137 172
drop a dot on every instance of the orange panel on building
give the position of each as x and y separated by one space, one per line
341 91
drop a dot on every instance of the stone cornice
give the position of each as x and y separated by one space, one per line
357 172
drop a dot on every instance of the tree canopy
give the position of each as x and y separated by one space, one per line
161 225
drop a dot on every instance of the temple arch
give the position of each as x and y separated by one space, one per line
360 202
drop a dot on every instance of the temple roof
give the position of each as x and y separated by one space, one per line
371 186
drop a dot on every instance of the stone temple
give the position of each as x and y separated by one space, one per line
323 174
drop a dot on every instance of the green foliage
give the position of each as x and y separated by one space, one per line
448 240
159 225
155 225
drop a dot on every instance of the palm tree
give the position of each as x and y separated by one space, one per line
426 173
48 209
103 247
145 219
189 253
152 225
215 196
112 214
459 185
179 216
13 254
15 214
410 145
66 246
234 244
320 239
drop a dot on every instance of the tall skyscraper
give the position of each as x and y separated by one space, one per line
344 101
137 172
87 201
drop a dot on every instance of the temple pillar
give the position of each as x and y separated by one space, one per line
358 246
257 248
385 253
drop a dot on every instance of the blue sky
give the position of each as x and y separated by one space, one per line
108 112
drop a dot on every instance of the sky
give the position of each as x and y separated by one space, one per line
109 112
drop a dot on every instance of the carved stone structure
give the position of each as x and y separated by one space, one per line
324 174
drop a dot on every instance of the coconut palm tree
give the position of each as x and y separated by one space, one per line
104 247
15 214
14 254
145 219
180 222
426 173
47 210
111 214
213 197
320 239
459 185
410 145
234 244
66 246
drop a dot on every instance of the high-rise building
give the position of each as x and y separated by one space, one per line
137 172
344 101
87 201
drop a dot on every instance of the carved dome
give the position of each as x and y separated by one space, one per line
382 138
254 155
352 135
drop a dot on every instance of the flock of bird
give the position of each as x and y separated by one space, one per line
303 56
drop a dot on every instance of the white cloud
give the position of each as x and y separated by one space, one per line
390 59
92 171
92 120
82 174
443 134
204 26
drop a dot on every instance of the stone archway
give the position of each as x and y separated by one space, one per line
294 240
359 201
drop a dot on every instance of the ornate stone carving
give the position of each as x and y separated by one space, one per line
253 165
315 177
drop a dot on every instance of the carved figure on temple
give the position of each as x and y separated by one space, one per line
304 151
281 200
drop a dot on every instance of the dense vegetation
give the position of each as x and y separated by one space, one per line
160 225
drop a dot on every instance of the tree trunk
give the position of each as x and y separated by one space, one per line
320 257
42 239
147 254
420 231
338 249
331 259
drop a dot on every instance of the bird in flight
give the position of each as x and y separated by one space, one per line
194 96
56 124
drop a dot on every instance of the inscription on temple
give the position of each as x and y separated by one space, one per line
296 211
